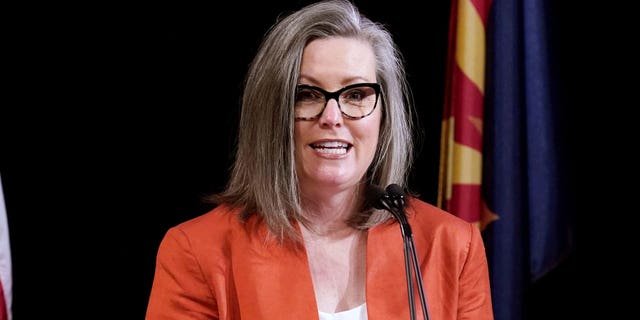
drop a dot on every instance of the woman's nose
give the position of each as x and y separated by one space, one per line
331 115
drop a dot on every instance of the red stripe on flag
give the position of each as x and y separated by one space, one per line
467 105
460 180
3 304
466 202
482 7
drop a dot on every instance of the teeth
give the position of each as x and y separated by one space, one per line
331 147
332 151
331 144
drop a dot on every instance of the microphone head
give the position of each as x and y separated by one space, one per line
396 193
375 196
395 190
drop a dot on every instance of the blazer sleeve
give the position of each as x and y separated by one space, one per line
179 289
475 291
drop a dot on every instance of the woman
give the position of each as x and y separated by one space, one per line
324 115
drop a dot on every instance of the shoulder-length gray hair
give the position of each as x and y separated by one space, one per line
263 180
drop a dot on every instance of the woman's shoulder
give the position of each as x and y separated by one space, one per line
428 219
213 226
423 210
218 219
216 214
201 242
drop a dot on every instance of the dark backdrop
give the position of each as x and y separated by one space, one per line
126 116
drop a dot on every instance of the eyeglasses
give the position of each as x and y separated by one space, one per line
355 101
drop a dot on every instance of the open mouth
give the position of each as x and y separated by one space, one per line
331 147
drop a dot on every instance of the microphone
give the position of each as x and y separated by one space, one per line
375 195
396 192
392 199
396 195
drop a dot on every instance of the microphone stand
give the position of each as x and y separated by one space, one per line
393 201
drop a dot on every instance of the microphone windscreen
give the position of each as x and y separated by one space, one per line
374 195
395 190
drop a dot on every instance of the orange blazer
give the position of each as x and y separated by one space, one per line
216 267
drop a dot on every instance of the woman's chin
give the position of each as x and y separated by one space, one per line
332 180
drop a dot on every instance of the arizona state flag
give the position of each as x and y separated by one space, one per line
502 158
461 139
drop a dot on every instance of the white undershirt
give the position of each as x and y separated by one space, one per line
357 313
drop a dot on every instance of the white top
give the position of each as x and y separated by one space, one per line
357 313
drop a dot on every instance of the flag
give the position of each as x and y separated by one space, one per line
519 195
524 183
5 262
461 137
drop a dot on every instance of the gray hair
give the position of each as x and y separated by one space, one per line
263 180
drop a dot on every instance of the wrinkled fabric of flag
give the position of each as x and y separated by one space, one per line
502 164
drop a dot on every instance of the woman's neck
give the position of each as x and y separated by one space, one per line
329 214
337 262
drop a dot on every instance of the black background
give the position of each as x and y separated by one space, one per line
124 116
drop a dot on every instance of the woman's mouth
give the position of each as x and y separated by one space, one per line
331 147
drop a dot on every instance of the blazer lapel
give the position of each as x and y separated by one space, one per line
273 280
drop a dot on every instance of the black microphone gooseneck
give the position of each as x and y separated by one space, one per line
393 201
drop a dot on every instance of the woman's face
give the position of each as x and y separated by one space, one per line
334 151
